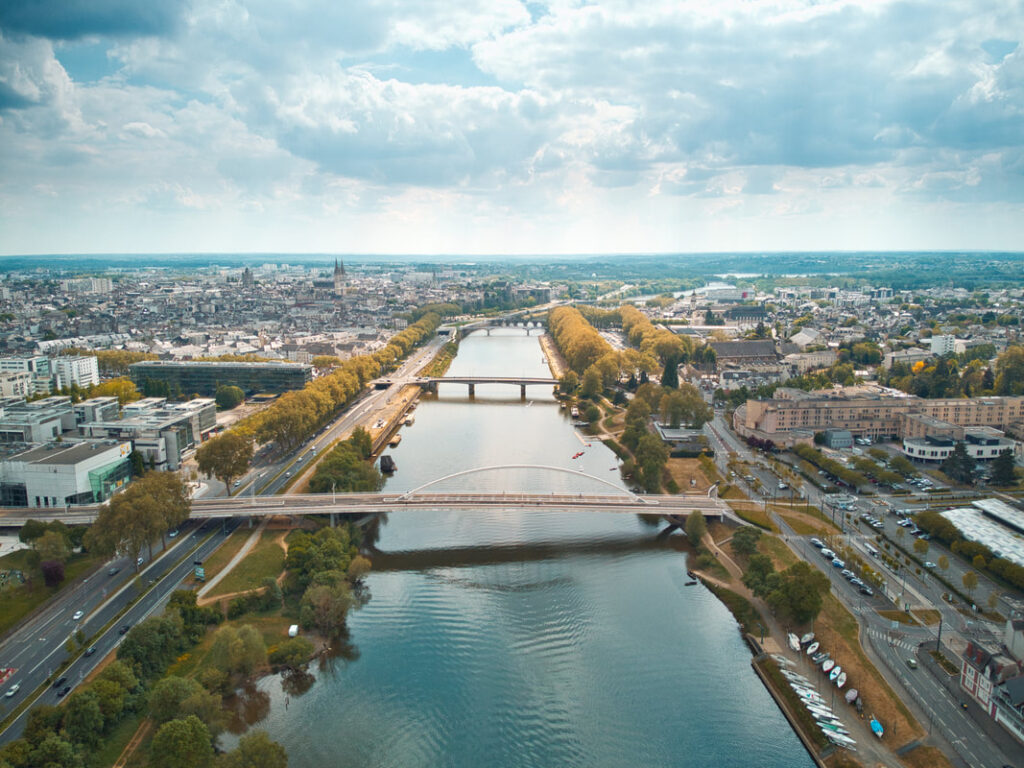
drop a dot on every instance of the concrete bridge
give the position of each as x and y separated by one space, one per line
429 383
522 319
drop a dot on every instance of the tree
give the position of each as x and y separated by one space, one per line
53 572
1003 469
182 743
122 388
138 463
959 466
53 545
225 456
903 465
592 383
55 752
228 397
167 694
255 750
569 383
970 582
1009 378
670 375
83 718
358 568
324 607
921 547
360 440
745 539
979 562
592 414
293 653
800 592
943 562
31 531
685 405
756 577
696 527
238 650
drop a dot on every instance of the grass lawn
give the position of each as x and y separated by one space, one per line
925 757
777 550
899 616
19 601
265 559
754 515
215 563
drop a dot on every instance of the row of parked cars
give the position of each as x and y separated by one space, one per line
847 574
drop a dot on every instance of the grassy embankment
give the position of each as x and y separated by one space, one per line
265 559
19 600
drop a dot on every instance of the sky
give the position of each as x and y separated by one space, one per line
508 127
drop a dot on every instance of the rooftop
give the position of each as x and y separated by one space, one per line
64 453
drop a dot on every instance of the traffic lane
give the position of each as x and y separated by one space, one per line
169 578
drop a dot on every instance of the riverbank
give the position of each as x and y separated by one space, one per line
556 363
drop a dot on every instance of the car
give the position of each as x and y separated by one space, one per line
124 629
929 564
925 537
236 483
140 560
912 663
818 543
77 615
856 582
866 590
837 563
13 690
827 553
114 571
878 525
91 650
63 691
287 474
59 682
173 534
783 486
848 574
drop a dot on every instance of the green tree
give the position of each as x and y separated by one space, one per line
800 592
325 606
592 383
293 653
959 466
758 573
943 562
182 743
670 375
1003 469
745 539
360 440
970 582
255 750
238 650
53 545
921 547
167 694
903 465
83 718
592 414
569 383
1009 378
696 527
228 397
31 531
225 456
979 562
55 752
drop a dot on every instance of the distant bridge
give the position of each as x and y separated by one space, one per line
430 383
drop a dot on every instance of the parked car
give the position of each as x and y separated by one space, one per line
866 590
837 563
929 564
818 543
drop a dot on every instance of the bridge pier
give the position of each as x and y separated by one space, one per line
472 387
522 391
334 520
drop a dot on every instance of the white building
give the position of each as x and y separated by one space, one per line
82 371
946 344
15 383
59 474
38 366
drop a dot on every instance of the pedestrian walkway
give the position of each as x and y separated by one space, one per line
882 635
239 556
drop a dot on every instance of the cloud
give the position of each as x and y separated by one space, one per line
74 19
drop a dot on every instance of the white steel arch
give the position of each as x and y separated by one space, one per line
563 470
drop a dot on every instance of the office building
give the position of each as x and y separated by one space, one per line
203 378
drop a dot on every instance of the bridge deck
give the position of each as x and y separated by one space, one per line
376 503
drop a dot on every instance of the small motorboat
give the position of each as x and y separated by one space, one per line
794 641
808 638
876 728
691 583
851 695
835 673
818 658
813 648
827 666
780 659
841 680
840 740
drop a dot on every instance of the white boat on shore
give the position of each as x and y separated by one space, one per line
841 680
809 637
828 665
794 641
835 673
813 648
851 695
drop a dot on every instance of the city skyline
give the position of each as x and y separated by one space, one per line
510 128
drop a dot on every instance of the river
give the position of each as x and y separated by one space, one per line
527 638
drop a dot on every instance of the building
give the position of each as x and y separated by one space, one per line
992 674
874 412
15 384
37 366
744 354
945 345
82 371
982 443
60 474
994 524
838 438
204 377
37 422
906 356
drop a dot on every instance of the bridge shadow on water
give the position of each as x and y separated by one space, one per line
464 557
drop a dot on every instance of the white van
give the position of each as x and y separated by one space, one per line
293 630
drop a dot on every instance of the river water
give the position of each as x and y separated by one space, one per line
498 638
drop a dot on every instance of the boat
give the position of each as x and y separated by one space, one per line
410 420
776 656
841 680
876 728
794 641
835 673
851 695
813 648
818 658
691 583
808 638
387 464
841 740
829 663
834 728
395 440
